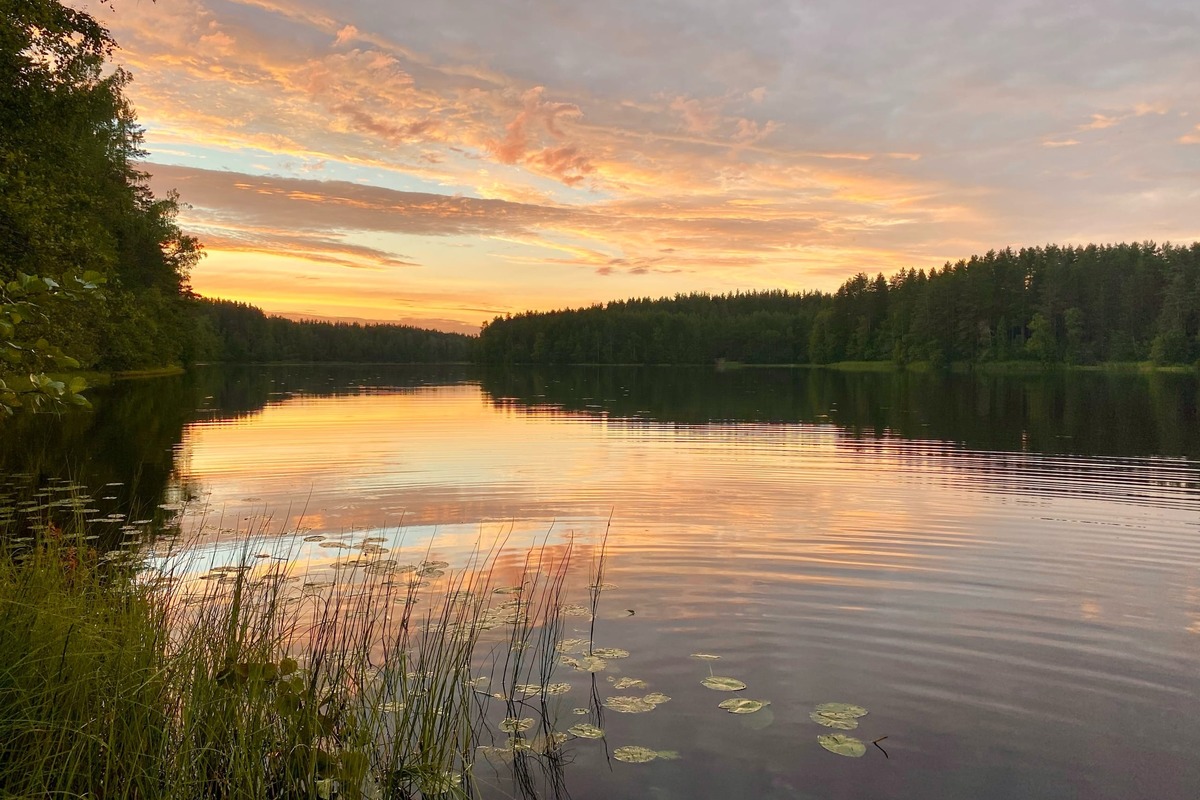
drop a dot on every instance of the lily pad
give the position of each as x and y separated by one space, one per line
579 712
547 744
628 705
629 683
498 755
743 706
571 645
585 730
656 698
592 664
834 719
573 610
513 725
705 657
557 688
842 744
610 652
850 711
723 684
634 754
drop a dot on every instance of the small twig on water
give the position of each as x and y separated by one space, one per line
876 743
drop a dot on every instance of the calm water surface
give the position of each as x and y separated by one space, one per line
1005 571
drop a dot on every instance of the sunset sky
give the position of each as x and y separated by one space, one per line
441 163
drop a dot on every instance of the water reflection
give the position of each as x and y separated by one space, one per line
1006 571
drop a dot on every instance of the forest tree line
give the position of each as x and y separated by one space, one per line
1075 305
94 271
235 332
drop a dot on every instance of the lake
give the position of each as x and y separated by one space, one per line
1005 571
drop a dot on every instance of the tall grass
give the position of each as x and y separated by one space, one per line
246 681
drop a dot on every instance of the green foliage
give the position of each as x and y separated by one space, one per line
26 303
72 202
121 682
1050 304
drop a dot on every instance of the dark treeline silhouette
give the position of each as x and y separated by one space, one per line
237 332
1076 305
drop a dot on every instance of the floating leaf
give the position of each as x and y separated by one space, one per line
498 755
434 564
558 688
513 725
528 688
571 645
834 719
610 652
850 711
656 698
742 705
630 683
842 744
592 664
722 684
706 656
546 744
633 754
585 730
628 705
572 610
508 590
579 712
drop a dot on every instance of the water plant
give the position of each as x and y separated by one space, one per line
253 679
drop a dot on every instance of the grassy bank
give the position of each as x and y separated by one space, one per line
250 681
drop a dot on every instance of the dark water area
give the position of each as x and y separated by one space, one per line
1005 570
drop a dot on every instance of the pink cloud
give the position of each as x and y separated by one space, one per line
698 117
517 134
566 163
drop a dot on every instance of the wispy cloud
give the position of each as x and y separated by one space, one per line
584 151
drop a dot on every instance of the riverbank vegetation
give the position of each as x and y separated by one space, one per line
1069 305
252 679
